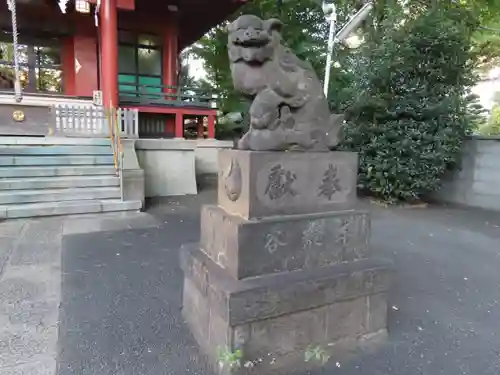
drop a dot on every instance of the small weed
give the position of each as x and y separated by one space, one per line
226 357
316 353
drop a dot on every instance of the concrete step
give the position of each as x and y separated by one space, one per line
48 171
58 182
67 208
54 141
53 195
49 150
56 160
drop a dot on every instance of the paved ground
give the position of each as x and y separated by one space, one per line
30 285
120 306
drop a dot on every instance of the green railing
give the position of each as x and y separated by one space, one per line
132 93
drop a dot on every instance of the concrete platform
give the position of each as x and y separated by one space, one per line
73 207
50 171
58 182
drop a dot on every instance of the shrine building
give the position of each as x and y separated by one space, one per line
125 52
96 114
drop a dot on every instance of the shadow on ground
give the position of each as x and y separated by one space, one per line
121 296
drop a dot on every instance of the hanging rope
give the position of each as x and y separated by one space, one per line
18 94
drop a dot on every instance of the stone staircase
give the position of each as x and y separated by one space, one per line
58 176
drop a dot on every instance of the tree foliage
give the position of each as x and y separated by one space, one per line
184 78
413 107
47 78
305 32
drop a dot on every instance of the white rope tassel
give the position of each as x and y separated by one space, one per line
18 94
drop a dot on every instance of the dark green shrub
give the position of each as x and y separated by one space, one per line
412 108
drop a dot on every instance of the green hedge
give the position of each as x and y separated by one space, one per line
413 108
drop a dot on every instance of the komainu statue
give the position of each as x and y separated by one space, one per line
289 110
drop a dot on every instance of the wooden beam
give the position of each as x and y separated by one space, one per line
195 23
40 19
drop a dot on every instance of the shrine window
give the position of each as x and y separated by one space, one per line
139 64
39 63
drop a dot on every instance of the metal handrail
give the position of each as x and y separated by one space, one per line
109 117
166 92
116 144
164 87
121 154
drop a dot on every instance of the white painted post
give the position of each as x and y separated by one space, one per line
331 15
136 123
345 31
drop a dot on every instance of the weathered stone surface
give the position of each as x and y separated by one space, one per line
346 319
278 345
275 319
283 265
265 297
377 312
288 333
195 310
29 296
286 183
246 248
289 110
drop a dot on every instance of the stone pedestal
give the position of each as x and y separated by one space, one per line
133 175
283 268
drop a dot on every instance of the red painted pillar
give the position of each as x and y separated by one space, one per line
170 70
170 125
179 125
170 50
109 52
211 127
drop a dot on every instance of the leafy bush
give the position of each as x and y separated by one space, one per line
413 108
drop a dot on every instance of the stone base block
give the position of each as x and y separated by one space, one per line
246 248
169 166
258 184
133 185
275 320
